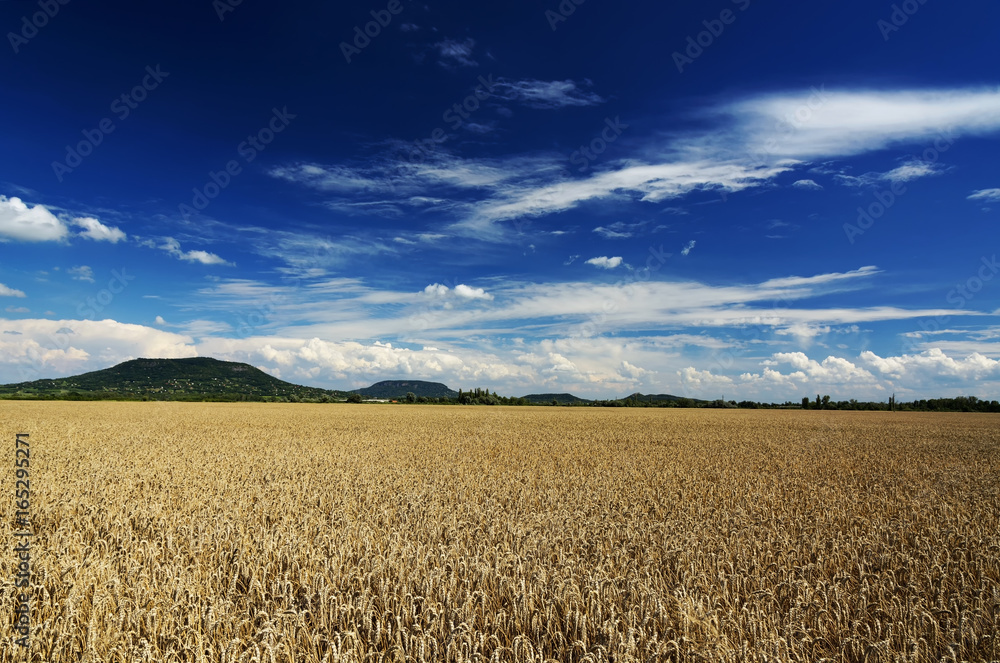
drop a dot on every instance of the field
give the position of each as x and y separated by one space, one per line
234 532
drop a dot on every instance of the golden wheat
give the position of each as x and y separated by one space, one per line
232 532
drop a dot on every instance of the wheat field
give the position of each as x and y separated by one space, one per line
288 532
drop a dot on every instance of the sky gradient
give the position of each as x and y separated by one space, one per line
733 199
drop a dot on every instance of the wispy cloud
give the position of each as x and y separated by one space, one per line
81 273
688 248
456 53
547 94
6 291
173 247
617 230
827 123
741 150
986 195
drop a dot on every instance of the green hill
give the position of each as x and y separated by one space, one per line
397 389
562 399
196 378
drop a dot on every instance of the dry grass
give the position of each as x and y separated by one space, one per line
230 532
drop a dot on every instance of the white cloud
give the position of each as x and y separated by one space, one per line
827 123
159 320
466 292
618 230
461 291
688 248
10 292
29 224
911 170
832 370
18 309
651 183
605 262
986 195
97 231
933 363
173 247
747 145
696 379
546 94
81 273
437 290
609 233
456 53
57 348
633 372
811 185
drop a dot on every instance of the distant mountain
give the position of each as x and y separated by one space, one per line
196 378
653 398
562 399
397 389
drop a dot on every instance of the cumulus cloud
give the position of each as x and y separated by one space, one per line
40 348
21 222
832 370
466 292
605 262
461 291
810 185
696 379
633 372
933 363
97 231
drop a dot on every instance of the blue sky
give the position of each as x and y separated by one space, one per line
730 198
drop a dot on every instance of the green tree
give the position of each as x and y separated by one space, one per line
354 398
805 402
411 397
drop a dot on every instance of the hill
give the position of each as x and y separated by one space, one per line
397 389
654 398
562 399
196 378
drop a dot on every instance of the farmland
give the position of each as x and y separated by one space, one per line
295 532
